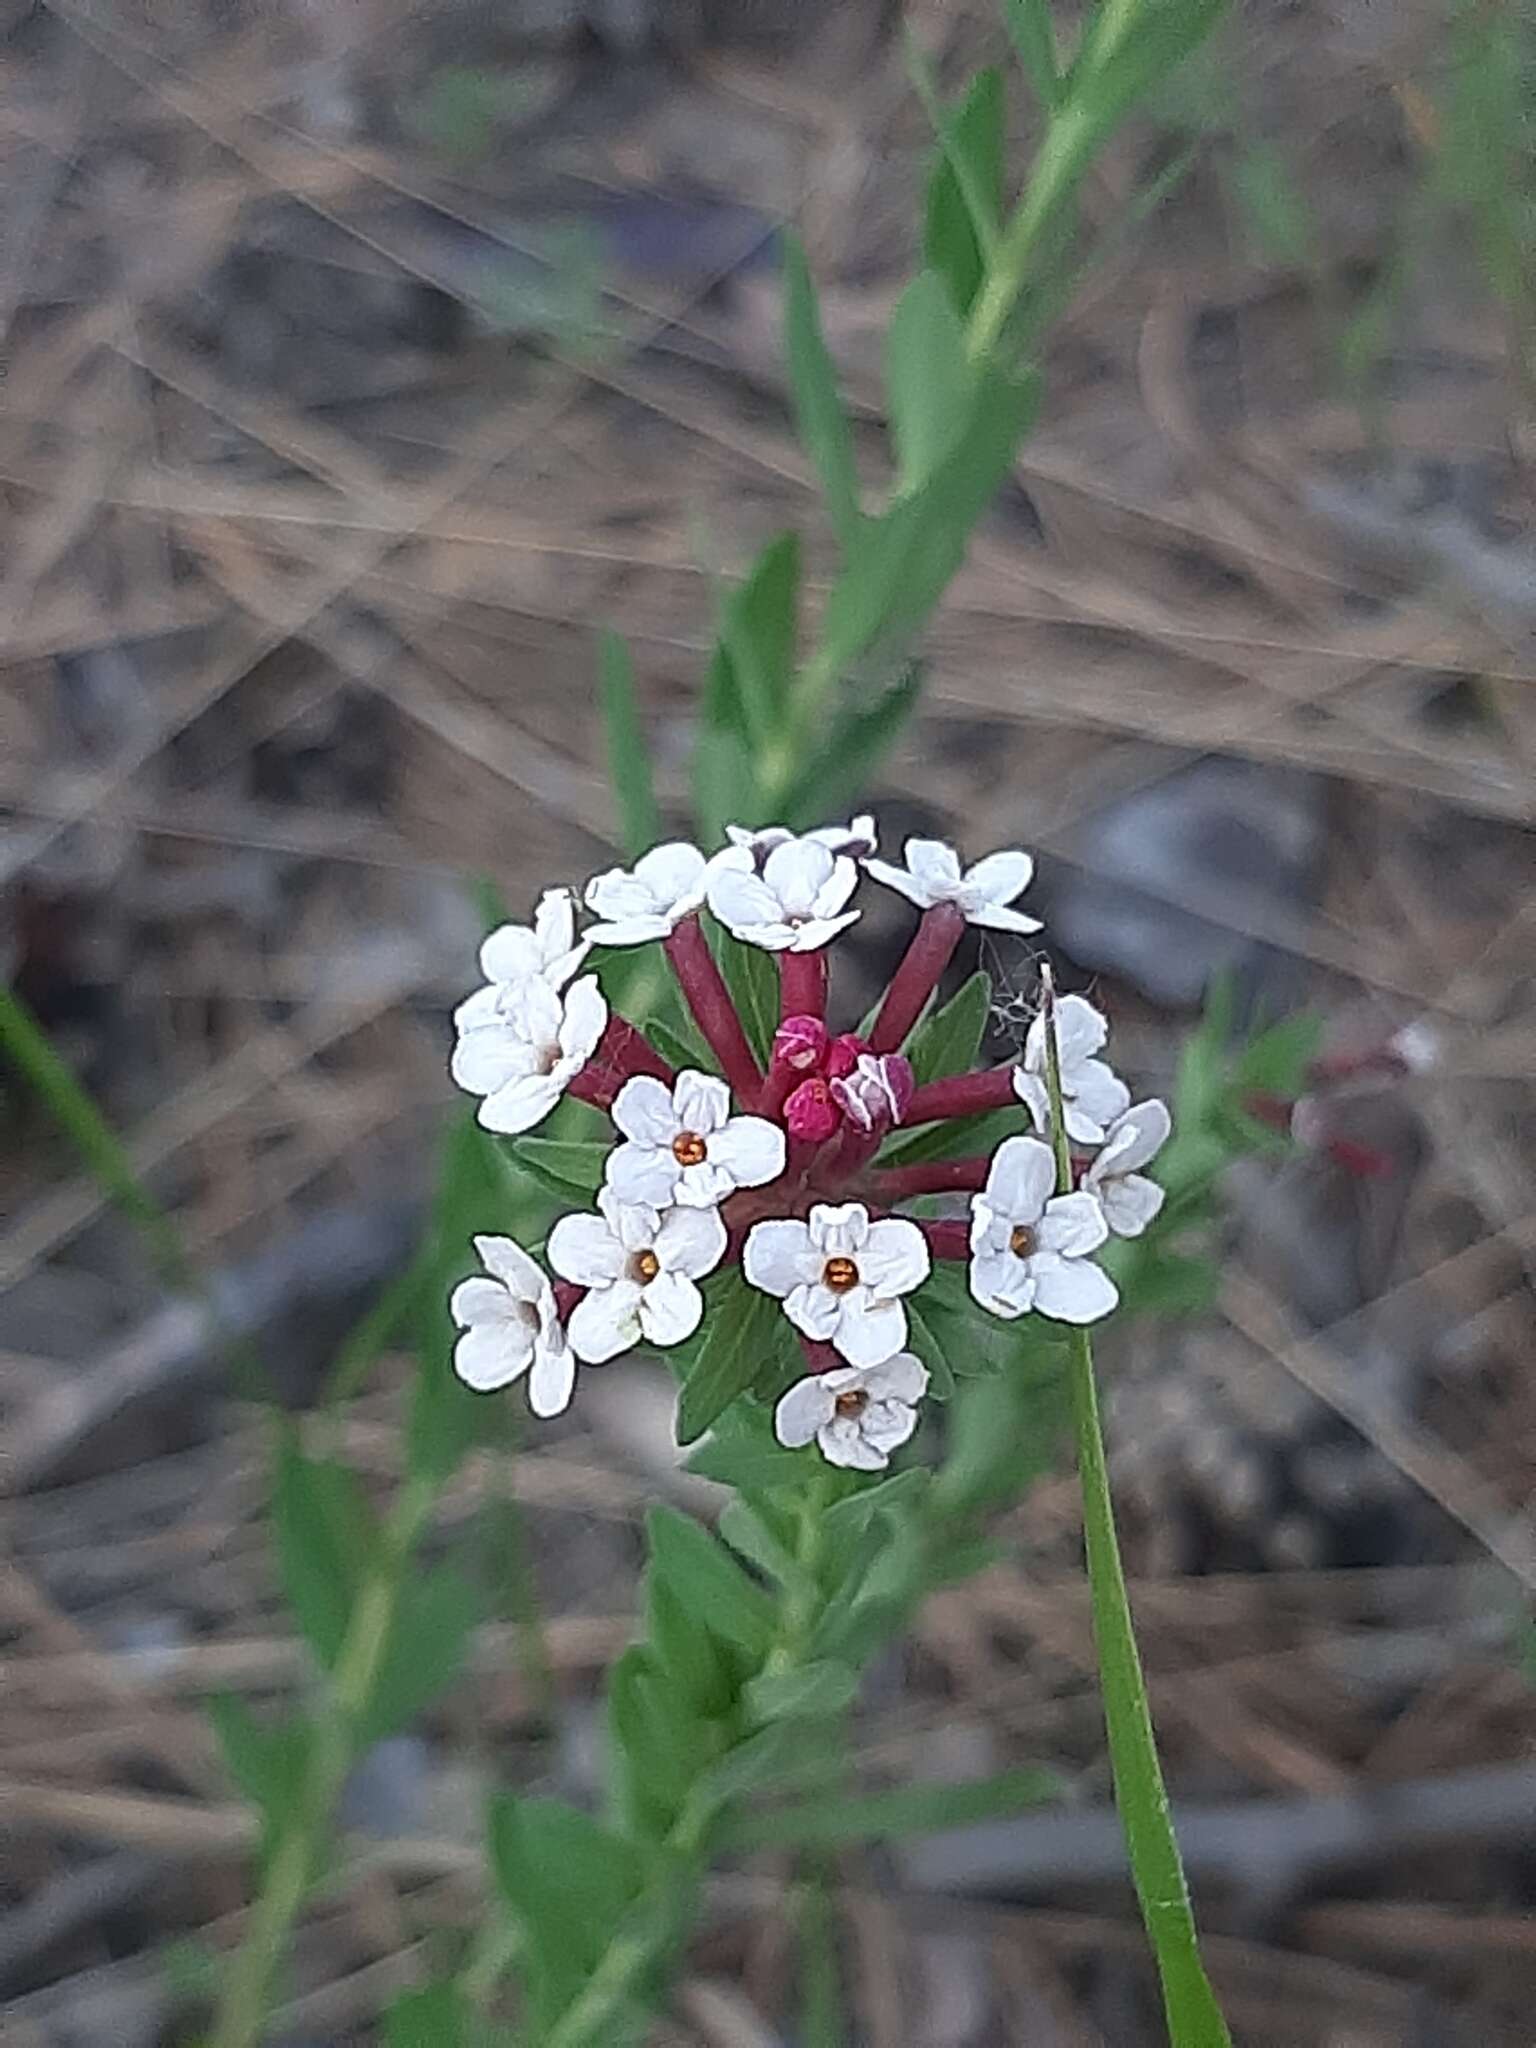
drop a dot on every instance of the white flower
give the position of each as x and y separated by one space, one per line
857 838
684 1145
1092 1093
548 950
650 900
1129 1200
840 1277
511 1327
522 1050
794 905
982 893
1029 1246
639 1268
857 1414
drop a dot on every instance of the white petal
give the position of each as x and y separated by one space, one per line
483 1007
505 1257
1002 1283
815 933
1081 1030
843 1442
1000 876
1138 1135
690 1241
606 1322
1072 1290
778 1256
1130 1202
1035 1096
585 1019
554 923
898 879
640 930
990 1230
797 872
643 1173
869 1332
519 1105
894 1258
997 917
634 1224
808 1406
492 1355
742 900
838 1229
936 866
902 1378
487 1302
815 1310
511 953
533 1010
1072 1225
1021 1178
553 1377
835 891
671 1308
701 1103
643 1110
1098 1095
674 875
585 1249
704 1186
887 1424
751 1149
489 1056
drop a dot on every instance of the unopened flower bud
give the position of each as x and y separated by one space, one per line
875 1095
843 1055
810 1112
800 1043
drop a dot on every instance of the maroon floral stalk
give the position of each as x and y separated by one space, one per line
629 1052
803 984
962 1095
597 1083
709 999
821 1357
889 1184
932 948
950 1239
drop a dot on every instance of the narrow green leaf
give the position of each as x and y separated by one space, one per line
266 1760
951 245
655 1747
804 1692
568 1166
629 760
709 1582
759 634
725 782
1034 42
751 1537
742 1452
568 1883
434 1620
949 1041
736 1341
679 1045
925 1337
963 1139
327 1540
844 768
930 387
436 2016
966 156
891 1816
752 976
819 415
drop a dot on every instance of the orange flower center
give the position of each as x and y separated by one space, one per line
646 1266
1022 1243
852 1403
689 1149
840 1274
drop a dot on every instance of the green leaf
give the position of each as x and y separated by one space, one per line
949 1041
268 1761
680 1046
964 1138
819 416
709 1582
891 1816
901 1494
435 1617
749 1534
927 1337
759 634
327 1540
930 388
739 1335
804 1692
752 977
741 1451
436 2016
629 760
569 1884
951 245
655 1746
567 1166
725 781
1034 42
777 1754
858 744
1277 1061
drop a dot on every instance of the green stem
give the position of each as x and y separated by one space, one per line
1194 2018
242 2011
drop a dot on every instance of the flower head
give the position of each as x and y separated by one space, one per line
857 1414
511 1327
1030 1246
857 838
1129 1200
981 893
792 903
841 1277
640 1268
522 1050
875 1095
682 1145
547 950
649 900
1092 1093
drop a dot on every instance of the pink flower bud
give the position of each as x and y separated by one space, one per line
800 1043
843 1055
875 1095
810 1112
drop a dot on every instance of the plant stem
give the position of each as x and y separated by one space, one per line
242 2011
932 948
1194 2018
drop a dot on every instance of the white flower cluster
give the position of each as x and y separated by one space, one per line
628 1272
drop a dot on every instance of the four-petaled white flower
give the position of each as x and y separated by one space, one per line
981 893
684 1146
548 950
511 1327
857 1414
1092 1093
650 900
640 1268
793 904
523 1049
858 838
1030 1246
1129 1200
841 1277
